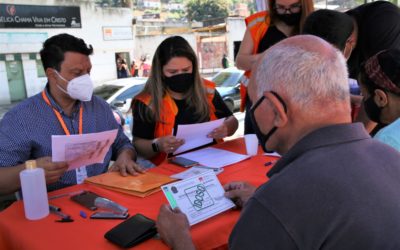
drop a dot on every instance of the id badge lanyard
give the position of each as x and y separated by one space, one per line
81 173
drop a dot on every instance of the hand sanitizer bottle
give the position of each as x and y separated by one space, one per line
34 191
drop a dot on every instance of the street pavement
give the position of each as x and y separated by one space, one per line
4 108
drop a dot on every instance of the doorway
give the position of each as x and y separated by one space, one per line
122 61
16 81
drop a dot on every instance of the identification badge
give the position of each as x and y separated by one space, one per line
81 174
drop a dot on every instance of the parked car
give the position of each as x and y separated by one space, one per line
228 85
119 93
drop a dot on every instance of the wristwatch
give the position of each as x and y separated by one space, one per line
154 145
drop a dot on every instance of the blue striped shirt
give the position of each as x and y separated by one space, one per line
26 130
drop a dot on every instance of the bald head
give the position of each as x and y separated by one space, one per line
306 70
311 44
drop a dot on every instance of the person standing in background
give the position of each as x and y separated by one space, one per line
145 67
225 62
134 69
377 27
122 69
284 18
380 85
338 29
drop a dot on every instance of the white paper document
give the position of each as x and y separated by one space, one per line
273 154
195 135
82 150
214 157
199 197
193 171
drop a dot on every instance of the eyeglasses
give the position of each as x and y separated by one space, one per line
257 103
294 8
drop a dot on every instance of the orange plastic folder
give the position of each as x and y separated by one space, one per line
141 185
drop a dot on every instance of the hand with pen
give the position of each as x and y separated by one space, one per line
239 192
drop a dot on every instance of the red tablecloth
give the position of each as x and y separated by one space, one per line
16 232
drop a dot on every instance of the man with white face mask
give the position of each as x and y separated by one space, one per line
66 106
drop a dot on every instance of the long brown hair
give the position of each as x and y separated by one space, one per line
175 46
307 6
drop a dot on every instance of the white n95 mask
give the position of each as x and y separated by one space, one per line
79 88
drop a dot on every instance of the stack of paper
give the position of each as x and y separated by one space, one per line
141 185
214 157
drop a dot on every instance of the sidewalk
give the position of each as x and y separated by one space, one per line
6 107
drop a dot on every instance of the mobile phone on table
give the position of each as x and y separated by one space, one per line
86 199
183 162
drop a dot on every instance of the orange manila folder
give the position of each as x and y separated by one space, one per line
141 185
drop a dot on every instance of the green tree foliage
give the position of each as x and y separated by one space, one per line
200 10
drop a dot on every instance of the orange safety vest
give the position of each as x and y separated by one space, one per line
257 24
168 112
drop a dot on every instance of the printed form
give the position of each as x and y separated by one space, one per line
195 135
199 197
82 150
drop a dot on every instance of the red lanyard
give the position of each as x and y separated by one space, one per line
59 117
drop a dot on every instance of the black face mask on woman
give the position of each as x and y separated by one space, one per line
373 111
290 19
180 83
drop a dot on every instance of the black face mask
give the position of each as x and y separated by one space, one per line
290 19
180 83
372 110
263 138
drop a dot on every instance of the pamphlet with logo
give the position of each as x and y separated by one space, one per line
199 197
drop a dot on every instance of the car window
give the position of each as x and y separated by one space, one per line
227 79
130 92
106 91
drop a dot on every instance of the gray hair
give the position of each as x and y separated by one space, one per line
307 77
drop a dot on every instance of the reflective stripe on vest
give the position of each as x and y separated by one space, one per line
257 24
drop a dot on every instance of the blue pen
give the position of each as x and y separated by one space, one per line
83 214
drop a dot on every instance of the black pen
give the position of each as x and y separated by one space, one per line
269 163
54 208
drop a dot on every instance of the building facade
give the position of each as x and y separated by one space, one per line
25 25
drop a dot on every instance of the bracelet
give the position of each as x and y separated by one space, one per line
154 145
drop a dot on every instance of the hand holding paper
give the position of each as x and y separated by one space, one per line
196 135
82 150
219 132
53 170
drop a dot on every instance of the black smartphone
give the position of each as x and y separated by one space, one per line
108 215
86 199
183 162
131 232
